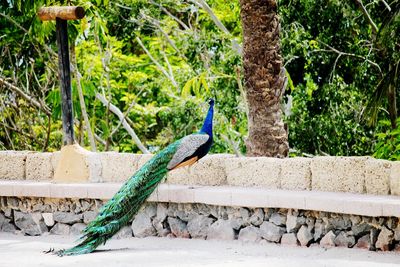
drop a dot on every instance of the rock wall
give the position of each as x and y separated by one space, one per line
363 175
38 216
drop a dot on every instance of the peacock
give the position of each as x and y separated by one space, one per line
117 212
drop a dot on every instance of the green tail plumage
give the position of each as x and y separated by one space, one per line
117 212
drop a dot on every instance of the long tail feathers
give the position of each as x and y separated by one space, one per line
117 212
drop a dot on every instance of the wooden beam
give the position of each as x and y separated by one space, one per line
65 81
62 12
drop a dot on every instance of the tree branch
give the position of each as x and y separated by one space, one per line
340 53
125 124
78 77
367 16
160 68
218 23
21 93
386 5
172 16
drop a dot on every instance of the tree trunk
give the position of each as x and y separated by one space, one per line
264 78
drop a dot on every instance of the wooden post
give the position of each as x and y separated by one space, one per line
62 12
65 81
61 15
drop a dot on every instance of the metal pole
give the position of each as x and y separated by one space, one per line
65 80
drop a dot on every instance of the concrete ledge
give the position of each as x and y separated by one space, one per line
363 175
347 203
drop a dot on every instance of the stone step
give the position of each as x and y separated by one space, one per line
347 203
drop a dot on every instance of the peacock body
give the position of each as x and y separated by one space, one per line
117 212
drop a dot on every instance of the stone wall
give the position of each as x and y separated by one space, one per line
39 216
363 175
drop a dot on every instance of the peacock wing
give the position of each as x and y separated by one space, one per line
188 146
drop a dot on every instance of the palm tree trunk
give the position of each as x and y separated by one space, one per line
264 78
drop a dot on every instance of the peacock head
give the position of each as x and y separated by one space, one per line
207 125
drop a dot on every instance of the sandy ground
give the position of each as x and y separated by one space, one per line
27 251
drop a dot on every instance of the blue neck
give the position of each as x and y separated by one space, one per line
208 122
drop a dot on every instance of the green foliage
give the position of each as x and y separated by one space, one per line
388 143
161 91
338 70
338 73
326 120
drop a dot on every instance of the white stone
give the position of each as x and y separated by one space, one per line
178 227
118 167
345 240
162 210
296 174
395 178
250 234
257 217
271 232
377 176
89 216
124 232
30 223
67 217
385 239
60 229
304 235
338 174
198 226
143 158
76 164
142 226
328 240
39 167
289 239
278 219
259 171
221 230
48 218
293 222
209 170
12 165
77 228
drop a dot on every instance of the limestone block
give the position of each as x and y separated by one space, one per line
338 174
118 167
55 158
377 176
296 174
12 165
76 164
395 178
260 171
179 176
39 166
143 158
209 170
